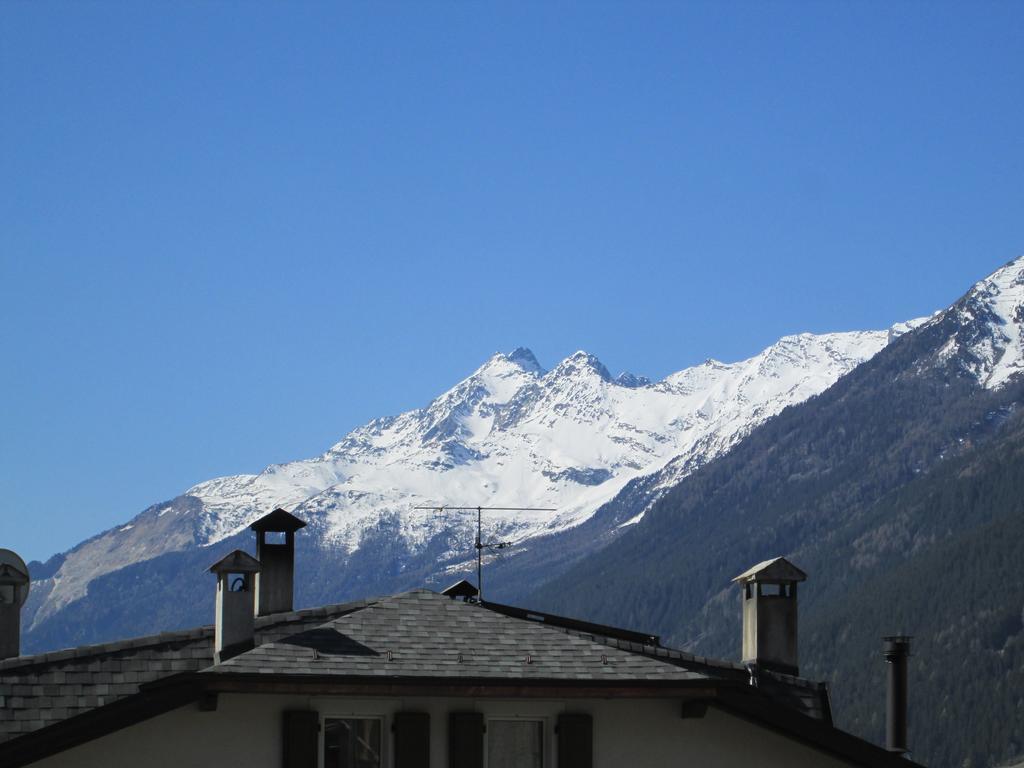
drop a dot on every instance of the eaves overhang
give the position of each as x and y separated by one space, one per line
161 696
166 694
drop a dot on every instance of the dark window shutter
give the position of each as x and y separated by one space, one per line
575 741
465 740
412 740
301 731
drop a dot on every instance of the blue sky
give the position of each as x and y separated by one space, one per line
230 232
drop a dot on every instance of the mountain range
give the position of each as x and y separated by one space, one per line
509 435
828 449
900 490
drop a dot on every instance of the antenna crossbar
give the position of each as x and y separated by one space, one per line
480 545
443 507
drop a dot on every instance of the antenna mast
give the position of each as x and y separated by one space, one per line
480 545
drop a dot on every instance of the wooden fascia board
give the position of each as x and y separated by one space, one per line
328 685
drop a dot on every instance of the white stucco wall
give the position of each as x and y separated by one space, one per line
246 731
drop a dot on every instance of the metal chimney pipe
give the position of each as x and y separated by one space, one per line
897 650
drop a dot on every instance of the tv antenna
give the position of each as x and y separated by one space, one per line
480 545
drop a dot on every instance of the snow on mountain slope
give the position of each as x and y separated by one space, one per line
739 396
987 338
510 434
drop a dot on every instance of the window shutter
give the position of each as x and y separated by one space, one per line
465 740
301 729
575 741
412 740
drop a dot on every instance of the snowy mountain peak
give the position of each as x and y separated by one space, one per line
525 359
510 434
627 379
519 360
1002 294
581 363
986 328
507 435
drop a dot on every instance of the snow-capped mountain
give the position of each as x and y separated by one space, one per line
514 435
510 434
898 490
984 329
882 480
597 449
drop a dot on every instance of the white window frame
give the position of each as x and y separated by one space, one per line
385 741
545 740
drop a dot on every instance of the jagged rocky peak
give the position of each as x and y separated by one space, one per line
581 363
525 359
519 360
631 380
496 381
986 328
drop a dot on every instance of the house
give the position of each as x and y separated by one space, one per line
414 680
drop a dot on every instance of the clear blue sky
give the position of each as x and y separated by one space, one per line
230 232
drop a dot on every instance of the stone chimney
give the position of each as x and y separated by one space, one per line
234 624
770 616
14 586
275 549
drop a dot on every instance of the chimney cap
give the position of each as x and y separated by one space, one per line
897 644
279 521
775 571
236 562
461 588
14 572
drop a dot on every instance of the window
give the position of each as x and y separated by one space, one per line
515 744
352 742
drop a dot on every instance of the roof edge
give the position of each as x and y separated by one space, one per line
756 707
102 721
565 622
112 646
174 636
221 681
161 696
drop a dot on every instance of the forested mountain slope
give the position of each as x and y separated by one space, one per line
899 491
962 596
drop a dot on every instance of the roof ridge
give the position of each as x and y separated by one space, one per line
112 646
656 650
569 623
171 636
332 610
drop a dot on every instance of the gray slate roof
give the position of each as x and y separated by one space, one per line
37 691
424 634
418 634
